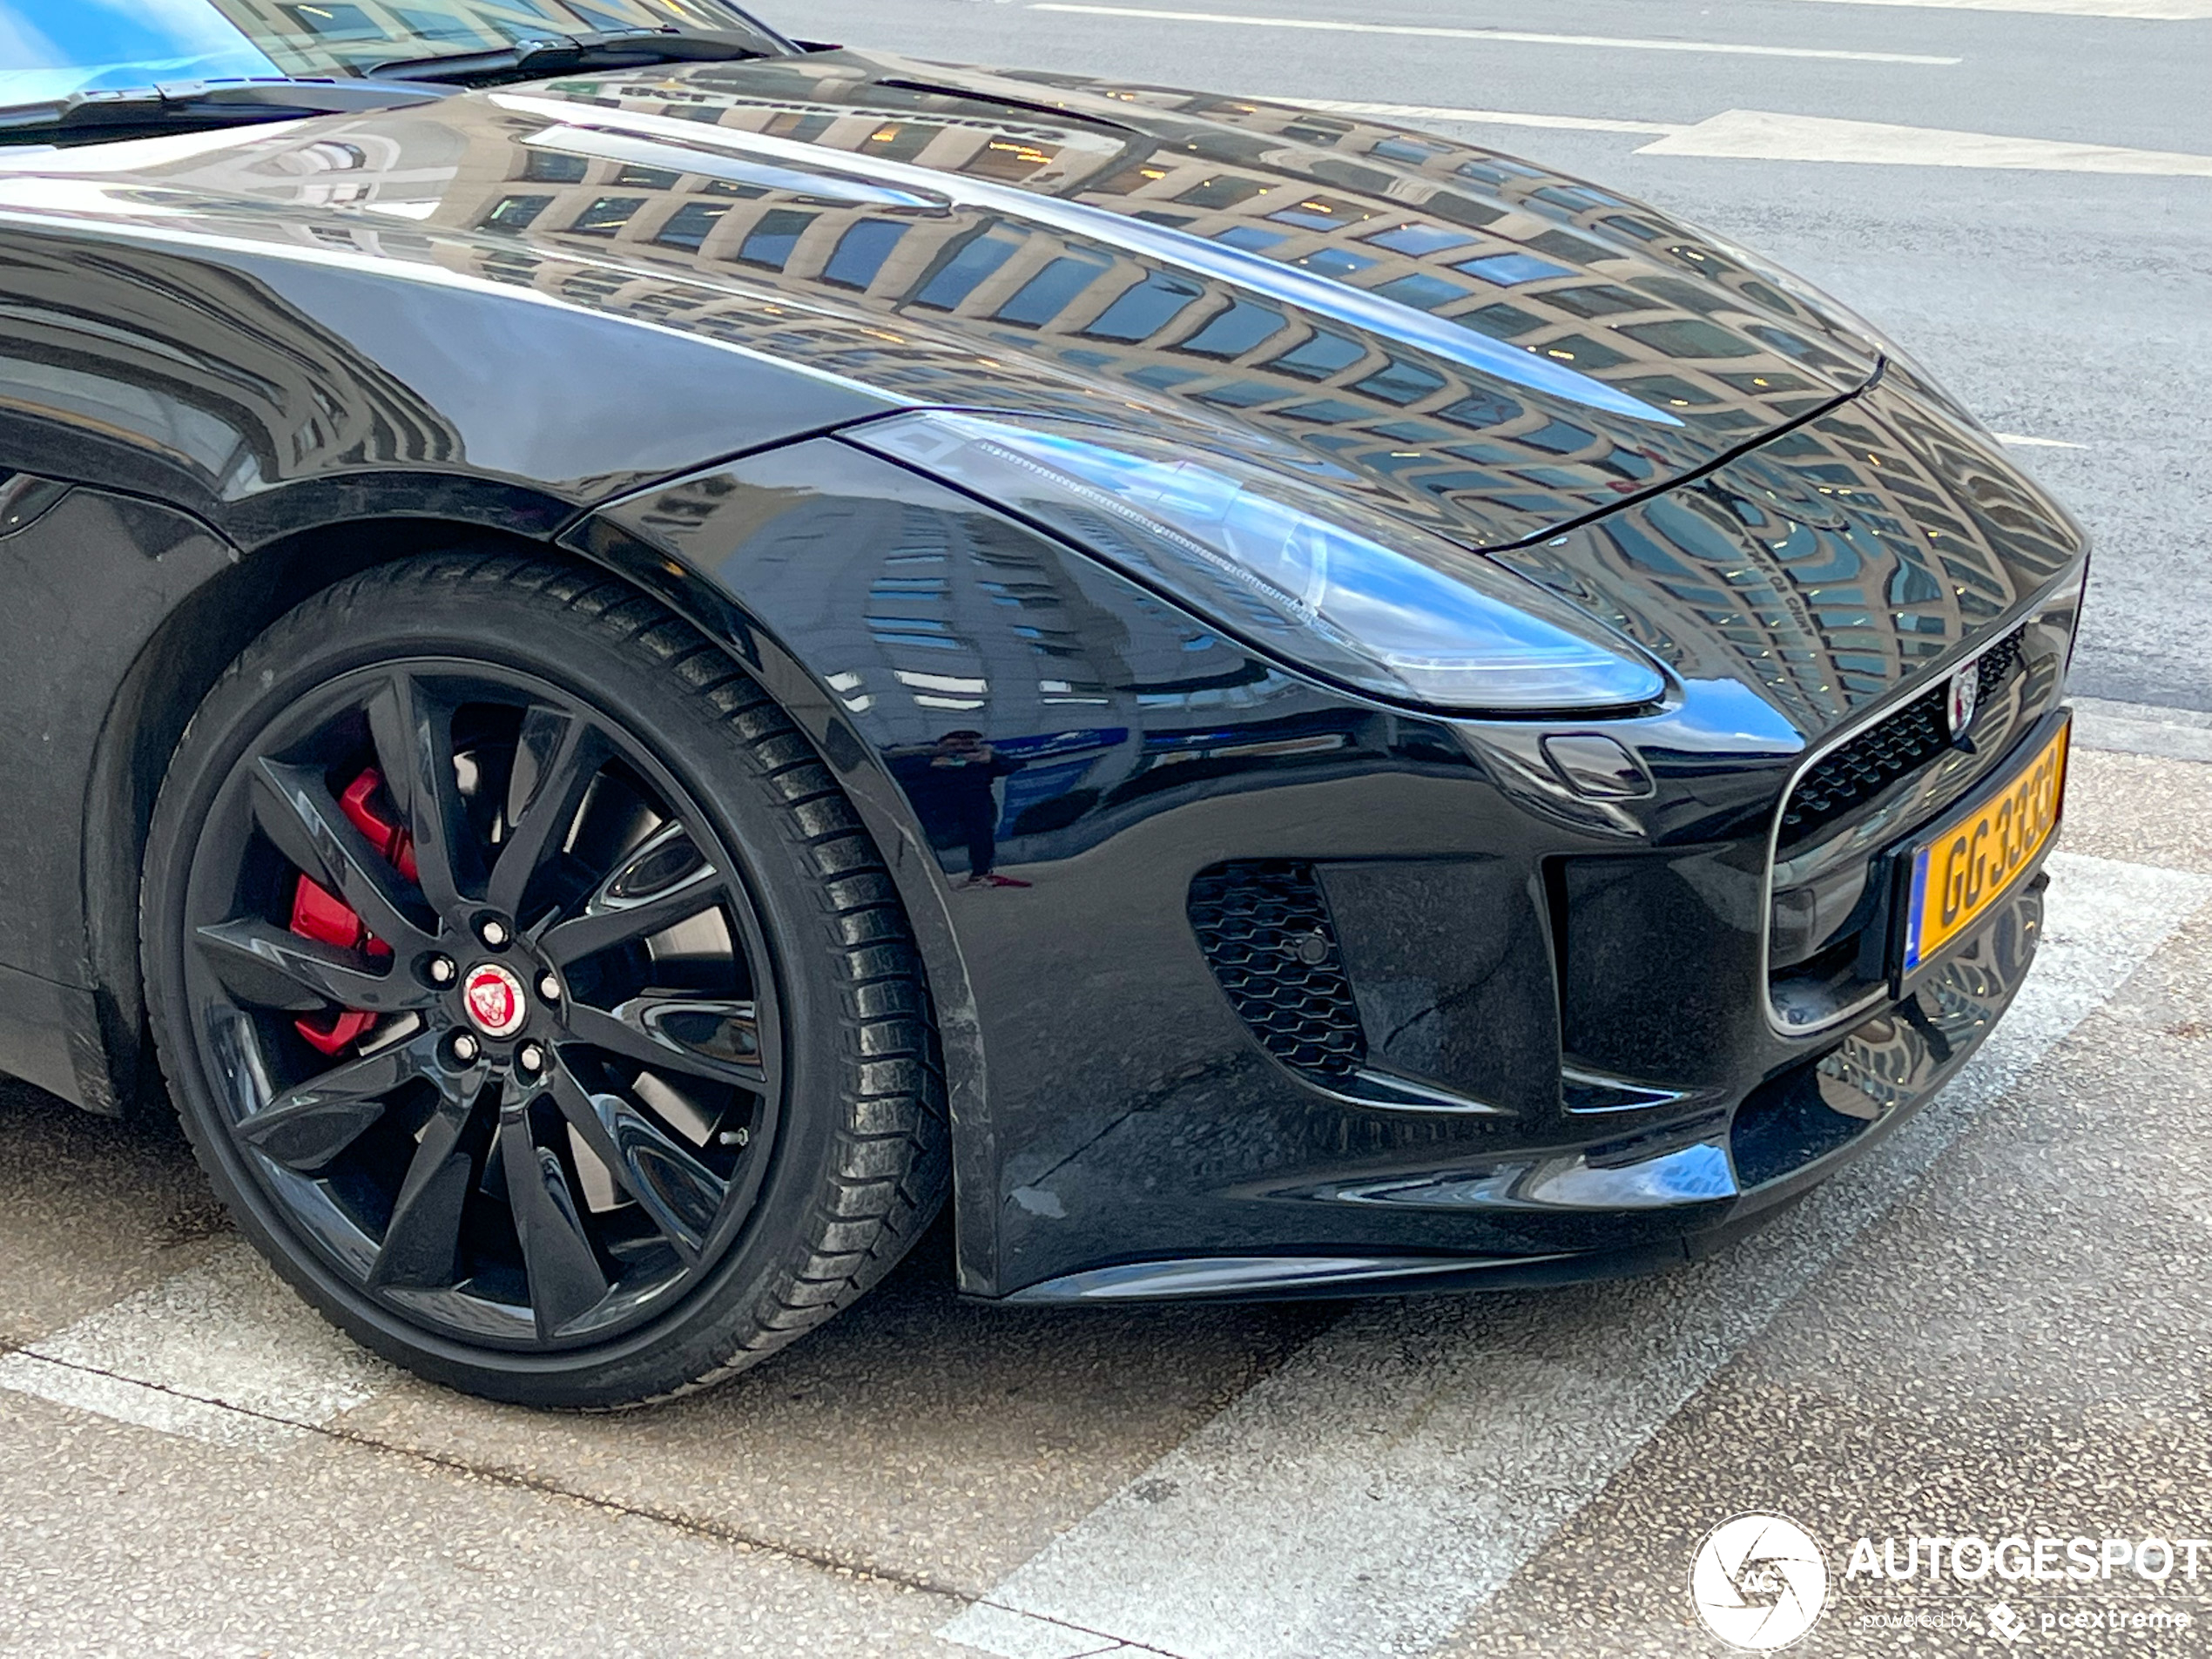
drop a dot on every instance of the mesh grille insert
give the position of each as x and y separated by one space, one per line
1265 929
1870 762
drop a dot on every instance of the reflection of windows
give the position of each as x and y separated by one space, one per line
435 25
1009 160
607 215
1496 170
1335 262
1236 331
1414 240
1573 249
1576 198
551 168
861 253
1559 437
1506 270
1767 384
1498 322
1421 291
1145 309
770 240
1668 389
513 212
689 225
1603 300
333 22
957 278
1251 237
1238 394
792 124
1318 358
898 142
1689 337
1582 351
648 178
1046 294
1328 411
1479 411
1412 151
1320 213
1400 382
1224 192
1127 180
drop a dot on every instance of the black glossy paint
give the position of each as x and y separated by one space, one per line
602 313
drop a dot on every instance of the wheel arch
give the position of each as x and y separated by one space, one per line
203 633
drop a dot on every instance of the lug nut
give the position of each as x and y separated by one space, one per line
492 931
548 986
530 1058
441 970
464 1048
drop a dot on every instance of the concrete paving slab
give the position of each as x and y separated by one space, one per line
117 1539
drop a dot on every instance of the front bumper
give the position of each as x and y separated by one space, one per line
1712 1177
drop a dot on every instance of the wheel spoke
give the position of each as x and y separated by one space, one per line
565 1278
305 1127
700 1037
266 965
413 732
681 1194
663 881
421 1246
556 757
294 809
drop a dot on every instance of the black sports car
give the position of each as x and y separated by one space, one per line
632 650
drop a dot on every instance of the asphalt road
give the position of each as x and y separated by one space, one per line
2071 307
1994 1327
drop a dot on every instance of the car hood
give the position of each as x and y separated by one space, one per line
1488 346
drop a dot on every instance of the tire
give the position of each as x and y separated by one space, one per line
399 1076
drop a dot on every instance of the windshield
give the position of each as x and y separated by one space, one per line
49 49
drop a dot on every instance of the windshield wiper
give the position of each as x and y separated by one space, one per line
175 104
595 49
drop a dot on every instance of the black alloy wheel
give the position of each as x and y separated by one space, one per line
500 945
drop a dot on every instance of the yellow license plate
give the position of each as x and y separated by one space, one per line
1959 873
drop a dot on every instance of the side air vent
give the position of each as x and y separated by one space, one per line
1877 758
1264 927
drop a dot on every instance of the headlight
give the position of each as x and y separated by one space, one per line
1348 592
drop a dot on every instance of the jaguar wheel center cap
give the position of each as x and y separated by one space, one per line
493 1000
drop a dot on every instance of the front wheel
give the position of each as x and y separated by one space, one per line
530 992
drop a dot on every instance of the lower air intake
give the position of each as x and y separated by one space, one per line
1265 929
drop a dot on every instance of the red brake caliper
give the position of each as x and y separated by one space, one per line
321 915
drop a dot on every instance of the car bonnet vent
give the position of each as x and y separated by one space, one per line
1265 929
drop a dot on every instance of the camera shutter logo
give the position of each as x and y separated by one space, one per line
1758 1582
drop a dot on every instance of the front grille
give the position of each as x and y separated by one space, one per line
1877 758
1265 929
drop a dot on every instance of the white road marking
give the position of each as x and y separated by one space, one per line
1501 118
1516 35
1369 1496
1767 135
2140 11
227 1333
1761 135
2019 441
2142 729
